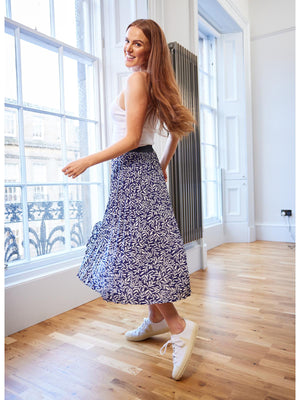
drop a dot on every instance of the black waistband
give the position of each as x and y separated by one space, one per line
143 149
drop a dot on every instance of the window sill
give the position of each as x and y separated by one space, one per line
24 272
212 223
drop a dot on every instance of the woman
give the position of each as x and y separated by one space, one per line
136 255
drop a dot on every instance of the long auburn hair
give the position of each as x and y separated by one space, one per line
165 103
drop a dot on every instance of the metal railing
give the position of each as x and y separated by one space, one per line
42 237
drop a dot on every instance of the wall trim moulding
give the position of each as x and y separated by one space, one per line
274 33
275 233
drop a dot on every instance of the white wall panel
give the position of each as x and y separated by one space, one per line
232 125
230 70
235 201
233 204
232 145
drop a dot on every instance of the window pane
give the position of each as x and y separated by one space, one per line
200 60
210 163
82 212
12 157
79 96
204 89
203 55
10 70
72 30
204 200
13 225
209 130
42 137
40 76
211 200
33 13
80 139
46 220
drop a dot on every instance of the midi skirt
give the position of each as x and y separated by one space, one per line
135 255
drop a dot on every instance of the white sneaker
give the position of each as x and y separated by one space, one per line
146 330
183 344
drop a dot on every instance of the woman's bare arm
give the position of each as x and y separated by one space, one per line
169 151
136 102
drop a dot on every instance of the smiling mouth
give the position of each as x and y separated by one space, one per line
129 57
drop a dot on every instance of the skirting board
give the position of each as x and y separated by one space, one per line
275 233
228 233
214 235
239 232
36 300
196 254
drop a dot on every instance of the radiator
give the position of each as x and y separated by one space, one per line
185 166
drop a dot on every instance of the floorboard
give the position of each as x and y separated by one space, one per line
244 304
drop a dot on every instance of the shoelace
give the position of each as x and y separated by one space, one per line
176 342
143 326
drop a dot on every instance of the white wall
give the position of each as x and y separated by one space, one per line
273 94
242 7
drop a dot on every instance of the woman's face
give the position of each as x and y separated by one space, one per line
136 49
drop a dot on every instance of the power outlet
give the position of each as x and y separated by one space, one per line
286 213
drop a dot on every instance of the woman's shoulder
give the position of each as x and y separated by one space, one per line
138 78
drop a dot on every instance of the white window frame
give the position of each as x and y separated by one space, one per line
27 268
206 32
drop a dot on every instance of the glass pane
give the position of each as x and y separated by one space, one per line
203 169
209 133
204 200
74 29
204 89
10 70
32 13
78 84
211 200
210 163
40 76
203 54
46 220
42 137
82 212
200 60
13 225
80 139
11 152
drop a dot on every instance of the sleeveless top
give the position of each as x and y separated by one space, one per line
119 126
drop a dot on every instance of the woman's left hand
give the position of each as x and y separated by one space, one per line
164 170
75 168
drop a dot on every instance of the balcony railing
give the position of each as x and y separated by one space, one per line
42 237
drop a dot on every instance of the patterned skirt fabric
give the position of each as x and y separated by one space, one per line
135 255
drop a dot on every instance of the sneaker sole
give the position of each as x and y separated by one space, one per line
146 336
185 361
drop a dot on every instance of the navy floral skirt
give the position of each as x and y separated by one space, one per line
135 255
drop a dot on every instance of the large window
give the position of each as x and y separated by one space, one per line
50 119
209 130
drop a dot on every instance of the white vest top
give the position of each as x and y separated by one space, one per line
119 126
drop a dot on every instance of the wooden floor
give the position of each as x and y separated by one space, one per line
244 305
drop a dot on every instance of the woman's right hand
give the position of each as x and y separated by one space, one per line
75 168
